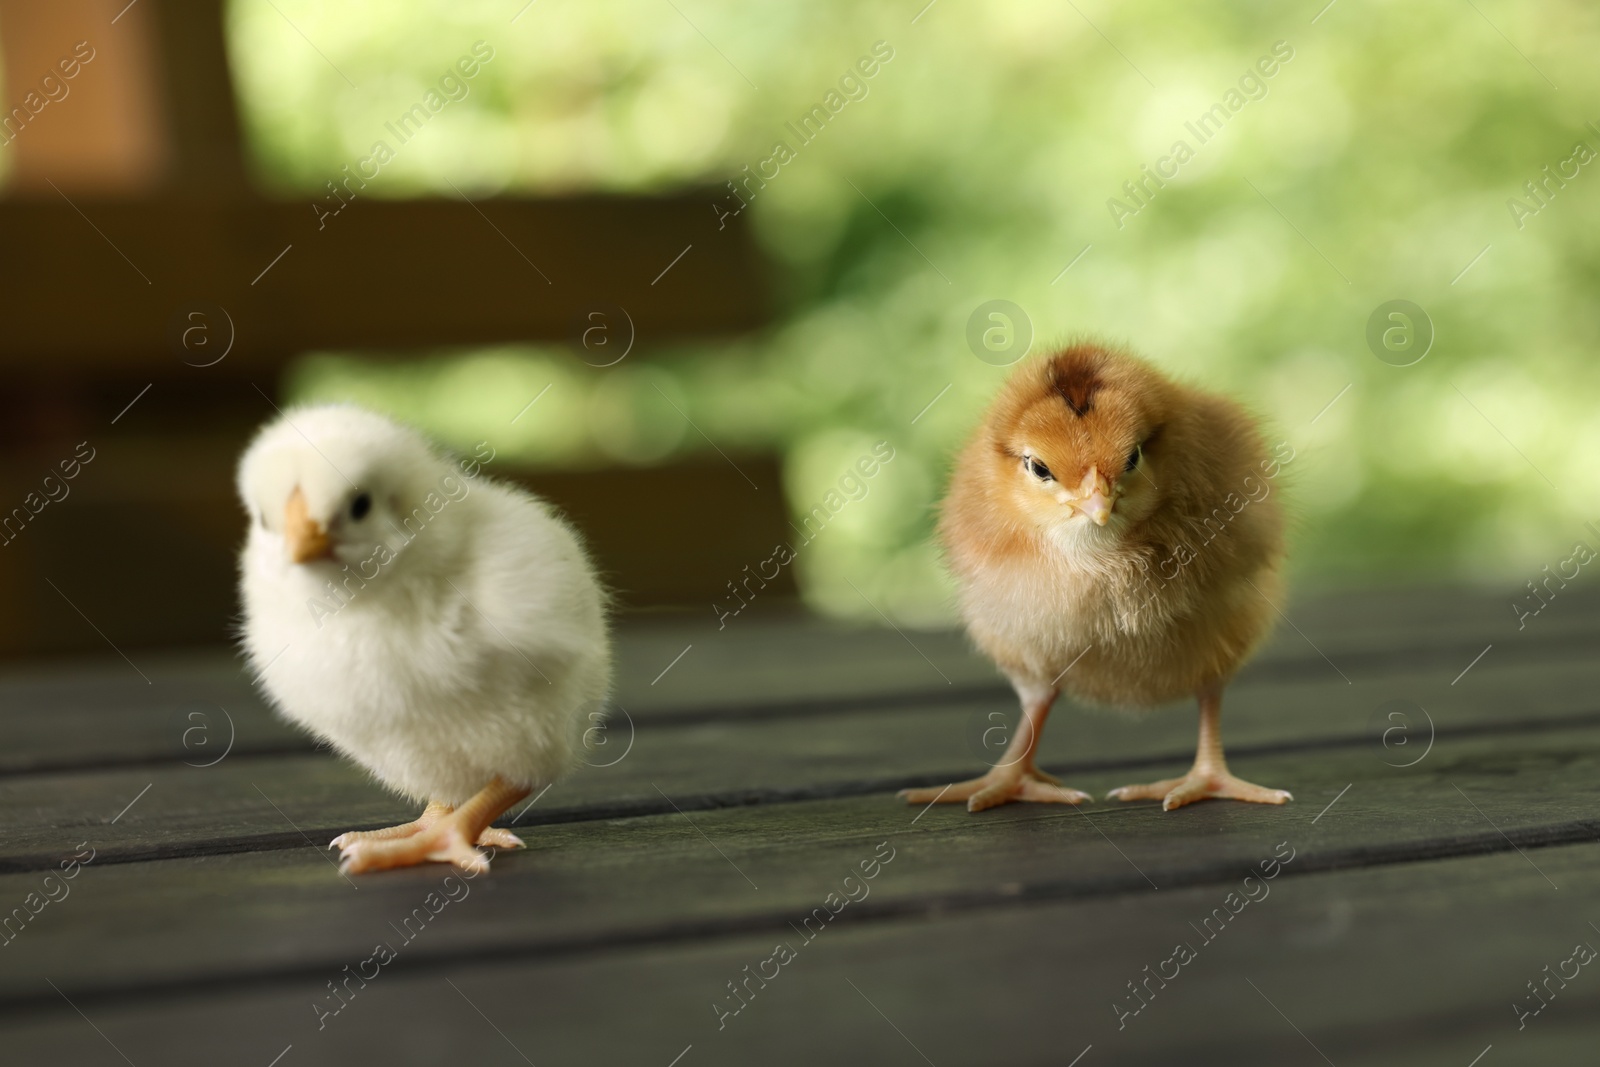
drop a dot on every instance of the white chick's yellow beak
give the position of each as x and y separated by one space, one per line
1095 497
304 536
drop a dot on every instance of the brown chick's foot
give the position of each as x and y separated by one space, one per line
1000 786
1201 785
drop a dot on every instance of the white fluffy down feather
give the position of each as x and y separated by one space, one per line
442 630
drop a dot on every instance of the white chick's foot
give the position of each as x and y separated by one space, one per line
491 836
1002 785
434 812
444 842
388 833
1201 785
498 838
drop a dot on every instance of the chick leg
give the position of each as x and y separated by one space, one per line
1015 777
448 839
1209 777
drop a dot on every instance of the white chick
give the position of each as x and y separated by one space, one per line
445 631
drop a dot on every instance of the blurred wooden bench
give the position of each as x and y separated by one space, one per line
129 219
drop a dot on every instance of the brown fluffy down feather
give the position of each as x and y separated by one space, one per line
1173 592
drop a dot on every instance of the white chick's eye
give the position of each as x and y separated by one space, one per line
1037 469
360 506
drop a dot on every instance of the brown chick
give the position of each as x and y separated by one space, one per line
1113 533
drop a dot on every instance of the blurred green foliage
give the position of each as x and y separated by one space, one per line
1378 164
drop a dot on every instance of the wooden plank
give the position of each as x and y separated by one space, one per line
94 711
1391 964
1424 616
765 759
731 871
98 712
1381 631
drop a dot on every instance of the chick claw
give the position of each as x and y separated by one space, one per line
498 838
1002 785
1197 785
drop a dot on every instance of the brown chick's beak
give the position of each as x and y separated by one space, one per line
1094 497
305 537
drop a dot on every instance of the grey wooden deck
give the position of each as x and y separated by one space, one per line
1419 903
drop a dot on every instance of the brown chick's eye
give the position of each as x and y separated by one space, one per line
360 506
1133 459
1037 469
